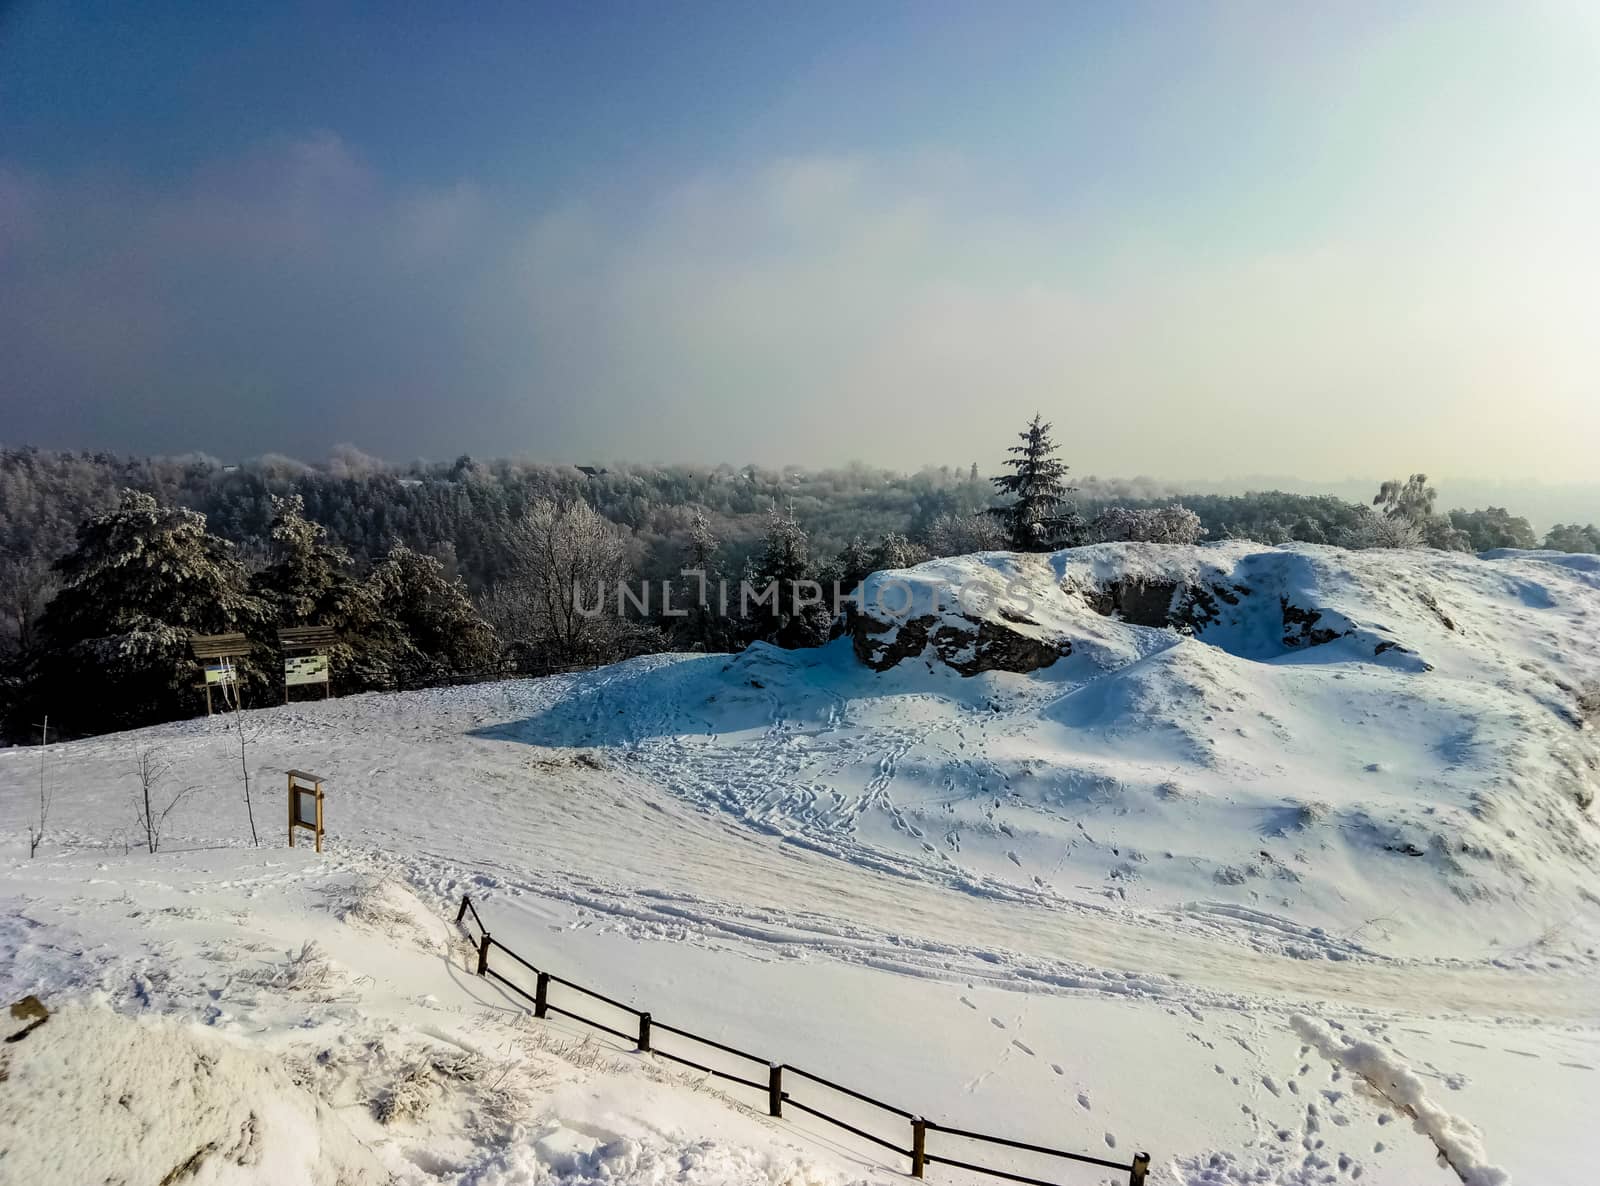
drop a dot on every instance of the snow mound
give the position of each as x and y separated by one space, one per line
163 1102
1460 1144
567 1154
1327 751
971 612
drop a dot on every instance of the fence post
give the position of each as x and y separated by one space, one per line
462 913
919 1146
541 995
483 954
1141 1167
644 1032
775 1089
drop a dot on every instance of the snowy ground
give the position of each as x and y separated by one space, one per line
1202 896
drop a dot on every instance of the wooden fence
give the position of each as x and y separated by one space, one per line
779 1078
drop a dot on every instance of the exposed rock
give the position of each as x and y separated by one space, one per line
1300 627
963 644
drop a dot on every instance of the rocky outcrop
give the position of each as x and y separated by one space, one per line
1191 606
964 644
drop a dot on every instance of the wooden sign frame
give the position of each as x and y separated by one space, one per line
300 641
305 791
218 650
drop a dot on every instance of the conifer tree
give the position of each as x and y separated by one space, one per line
785 562
1038 489
706 627
142 579
427 629
854 564
308 582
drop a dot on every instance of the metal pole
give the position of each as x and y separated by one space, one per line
483 955
919 1146
541 995
462 913
775 1090
1141 1167
644 1032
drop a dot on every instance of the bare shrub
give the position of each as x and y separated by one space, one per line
151 767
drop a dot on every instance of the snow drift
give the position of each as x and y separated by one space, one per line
94 1096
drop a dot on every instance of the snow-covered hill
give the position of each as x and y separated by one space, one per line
1079 903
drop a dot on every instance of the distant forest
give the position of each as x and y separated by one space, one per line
458 536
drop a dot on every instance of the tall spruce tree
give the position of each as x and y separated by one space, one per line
1038 489
785 562
427 628
115 640
308 582
705 627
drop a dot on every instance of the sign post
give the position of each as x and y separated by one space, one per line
305 657
305 804
218 653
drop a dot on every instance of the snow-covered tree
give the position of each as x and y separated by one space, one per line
785 563
559 605
307 581
1408 506
1037 487
427 628
852 565
142 579
1377 530
1571 537
896 551
1175 524
961 535
1411 499
1494 527
27 582
703 544
705 627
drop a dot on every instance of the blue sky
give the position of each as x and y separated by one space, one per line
1212 239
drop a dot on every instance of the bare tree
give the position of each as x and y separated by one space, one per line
1376 530
36 834
27 582
230 697
1175 524
961 535
150 767
562 597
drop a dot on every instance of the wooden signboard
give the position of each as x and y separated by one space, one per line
221 671
218 652
305 657
305 804
305 669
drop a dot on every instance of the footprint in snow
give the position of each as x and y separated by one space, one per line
1014 858
997 1023
1266 1081
968 1003
1083 1101
1022 1048
1111 1140
1056 1067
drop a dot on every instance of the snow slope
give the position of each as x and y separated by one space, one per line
1078 906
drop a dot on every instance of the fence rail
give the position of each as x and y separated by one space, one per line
777 1093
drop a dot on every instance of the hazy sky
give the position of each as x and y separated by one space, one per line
1319 240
